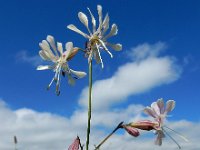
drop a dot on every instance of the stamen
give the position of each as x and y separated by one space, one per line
177 133
106 49
171 138
58 82
48 87
102 65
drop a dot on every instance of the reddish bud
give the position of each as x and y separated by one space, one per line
75 144
132 131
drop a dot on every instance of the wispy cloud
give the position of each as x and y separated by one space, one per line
151 70
23 56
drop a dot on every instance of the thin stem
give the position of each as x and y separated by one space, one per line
89 104
104 140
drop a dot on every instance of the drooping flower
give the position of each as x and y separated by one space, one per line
97 38
159 113
50 51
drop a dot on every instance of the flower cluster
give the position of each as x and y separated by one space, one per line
97 40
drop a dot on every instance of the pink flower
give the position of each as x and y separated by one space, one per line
159 112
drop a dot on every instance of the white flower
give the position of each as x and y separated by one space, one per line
50 51
159 112
97 38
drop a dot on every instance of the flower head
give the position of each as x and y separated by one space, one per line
50 51
96 38
159 112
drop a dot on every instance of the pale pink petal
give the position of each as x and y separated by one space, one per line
150 112
169 106
155 108
160 104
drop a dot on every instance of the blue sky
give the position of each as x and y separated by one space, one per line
174 24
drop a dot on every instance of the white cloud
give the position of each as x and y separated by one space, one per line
146 50
23 56
41 130
135 77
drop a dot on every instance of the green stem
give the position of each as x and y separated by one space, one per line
89 104
106 138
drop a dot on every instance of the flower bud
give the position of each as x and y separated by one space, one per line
132 131
75 144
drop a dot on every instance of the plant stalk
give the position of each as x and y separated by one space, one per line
89 105
106 138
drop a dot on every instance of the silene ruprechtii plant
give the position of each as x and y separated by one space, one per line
96 41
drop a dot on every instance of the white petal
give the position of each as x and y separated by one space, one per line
79 74
75 29
113 31
69 49
49 55
99 9
71 80
44 67
93 21
51 41
44 45
83 18
98 56
150 112
105 24
60 47
169 106
117 47
43 55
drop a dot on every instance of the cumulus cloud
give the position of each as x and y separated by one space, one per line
42 130
23 56
148 71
